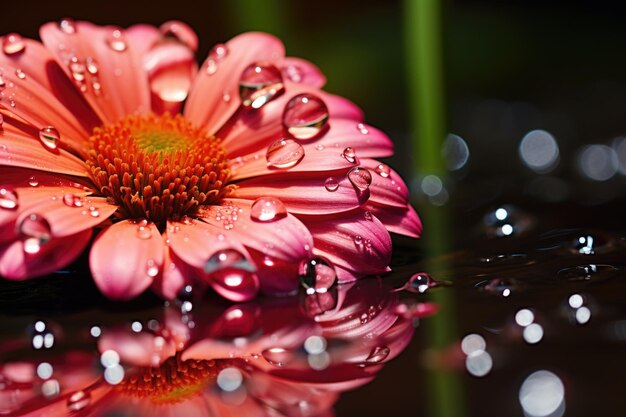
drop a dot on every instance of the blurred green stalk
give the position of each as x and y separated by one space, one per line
268 16
426 104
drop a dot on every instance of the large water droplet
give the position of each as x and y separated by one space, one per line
360 178
72 200
50 137
331 184
116 40
420 283
228 259
317 275
235 284
35 232
259 84
278 356
349 155
217 54
284 153
67 26
8 199
267 209
78 400
305 116
383 170
13 43
377 355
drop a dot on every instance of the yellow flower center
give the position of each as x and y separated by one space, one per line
158 167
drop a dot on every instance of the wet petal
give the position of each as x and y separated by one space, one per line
387 188
174 276
120 86
353 242
120 259
17 264
301 71
403 221
206 106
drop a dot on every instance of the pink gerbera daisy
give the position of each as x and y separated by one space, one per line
261 178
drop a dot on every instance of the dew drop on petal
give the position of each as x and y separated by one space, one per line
67 26
383 170
8 199
278 356
50 137
33 181
152 269
78 400
368 216
305 116
362 129
267 209
116 40
72 200
331 184
259 84
218 53
235 284
35 232
284 153
349 155
360 178
20 74
317 275
93 212
144 231
377 355
13 43
92 65
228 259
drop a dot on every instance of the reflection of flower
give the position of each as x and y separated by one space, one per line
263 358
262 169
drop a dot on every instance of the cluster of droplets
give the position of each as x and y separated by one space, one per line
84 73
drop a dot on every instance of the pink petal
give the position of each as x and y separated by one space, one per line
142 37
21 149
175 275
57 253
298 70
389 190
353 242
286 238
276 276
136 349
45 96
343 108
122 256
303 194
206 106
404 221
123 83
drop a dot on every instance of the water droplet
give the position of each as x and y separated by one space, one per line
67 26
93 212
349 155
20 74
377 355
362 128
228 259
317 275
116 40
305 116
217 54
420 283
267 209
78 400
284 153
278 356
584 245
383 170
2 82
360 178
368 216
331 184
12 103
72 200
35 232
13 43
92 65
8 199
235 283
503 287
590 272
226 96
50 137
259 84
144 231
33 181
152 269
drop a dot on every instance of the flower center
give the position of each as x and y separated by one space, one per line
174 381
158 167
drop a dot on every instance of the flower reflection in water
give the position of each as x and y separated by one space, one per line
289 356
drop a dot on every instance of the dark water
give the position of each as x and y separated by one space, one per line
510 311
